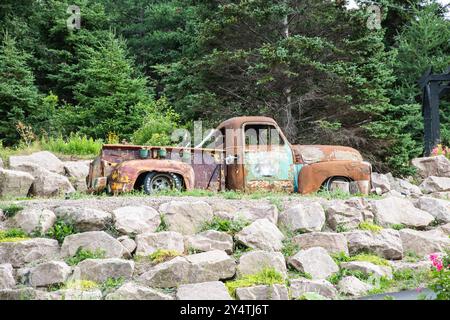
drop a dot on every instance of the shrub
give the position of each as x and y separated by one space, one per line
366 225
111 284
83 254
398 226
83 285
76 144
13 235
370 258
162 255
225 225
266 276
11 210
60 230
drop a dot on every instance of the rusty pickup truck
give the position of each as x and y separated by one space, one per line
243 153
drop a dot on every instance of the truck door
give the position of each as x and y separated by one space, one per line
267 159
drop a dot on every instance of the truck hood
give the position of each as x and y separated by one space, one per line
319 153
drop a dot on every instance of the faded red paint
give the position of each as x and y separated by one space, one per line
123 167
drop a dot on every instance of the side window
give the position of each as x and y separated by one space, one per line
262 135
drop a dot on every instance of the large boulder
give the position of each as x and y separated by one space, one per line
393 210
44 159
423 242
186 217
46 183
168 274
332 242
7 280
79 294
368 268
380 181
34 220
201 267
20 253
404 187
211 266
77 171
263 292
210 240
212 290
352 286
439 209
435 184
304 217
255 261
49 273
99 270
136 219
432 166
15 183
245 210
148 243
386 243
314 261
133 291
94 241
84 219
341 215
261 234
301 286
424 265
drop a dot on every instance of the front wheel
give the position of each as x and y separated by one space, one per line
158 181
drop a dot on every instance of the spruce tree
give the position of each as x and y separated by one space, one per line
19 97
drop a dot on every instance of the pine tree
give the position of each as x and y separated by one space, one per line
19 97
110 96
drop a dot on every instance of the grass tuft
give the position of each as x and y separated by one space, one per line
83 254
267 276
13 235
369 226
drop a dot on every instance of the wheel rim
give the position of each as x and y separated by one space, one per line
161 182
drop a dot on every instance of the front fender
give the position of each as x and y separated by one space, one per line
312 176
124 176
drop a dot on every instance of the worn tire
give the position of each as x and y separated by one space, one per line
160 181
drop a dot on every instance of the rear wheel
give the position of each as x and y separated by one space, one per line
328 185
159 181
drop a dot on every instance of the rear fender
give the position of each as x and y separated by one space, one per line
124 176
312 176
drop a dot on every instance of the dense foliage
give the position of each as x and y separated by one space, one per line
136 70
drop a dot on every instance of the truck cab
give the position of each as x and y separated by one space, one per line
243 153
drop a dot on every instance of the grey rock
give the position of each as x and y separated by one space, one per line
210 240
133 291
212 290
422 242
432 166
34 220
255 261
352 286
186 217
48 273
381 181
44 159
393 210
7 280
99 270
136 219
15 183
368 268
315 261
323 287
435 184
23 252
261 234
94 241
263 292
148 243
77 172
332 242
439 209
84 219
304 217
386 243
342 215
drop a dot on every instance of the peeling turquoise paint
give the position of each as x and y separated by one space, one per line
297 169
